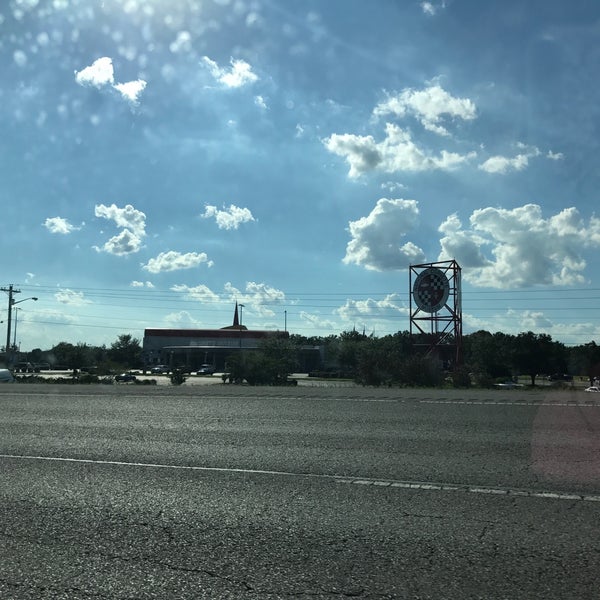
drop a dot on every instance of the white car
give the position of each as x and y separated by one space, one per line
593 388
6 376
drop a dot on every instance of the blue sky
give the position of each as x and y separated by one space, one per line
161 160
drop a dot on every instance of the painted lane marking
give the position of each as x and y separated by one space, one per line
342 479
528 403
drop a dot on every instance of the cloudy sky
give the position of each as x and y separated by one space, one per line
161 160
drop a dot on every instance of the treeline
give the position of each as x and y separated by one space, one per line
398 359
485 358
124 353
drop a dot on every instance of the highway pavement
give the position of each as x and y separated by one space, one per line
136 492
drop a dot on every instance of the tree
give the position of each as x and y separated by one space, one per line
271 364
537 353
585 360
488 355
126 351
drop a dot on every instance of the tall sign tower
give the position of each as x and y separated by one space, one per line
435 309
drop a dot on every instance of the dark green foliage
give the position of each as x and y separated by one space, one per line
461 377
270 365
177 377
126 352
420 371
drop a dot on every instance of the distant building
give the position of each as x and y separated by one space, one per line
191 348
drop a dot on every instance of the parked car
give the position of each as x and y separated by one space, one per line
560 377
593 388
6 376
160 369
508 385
125 377
205 369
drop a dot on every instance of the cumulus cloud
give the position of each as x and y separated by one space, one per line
258 297
396 153
127 217
318 322
503 164
431 9
142 284
388 307
59 225
133 222
182 320
72 298
429 106
260 102
176 261
202 293
100 74
122 244
376 242
131 90
228 218
238 75
519 247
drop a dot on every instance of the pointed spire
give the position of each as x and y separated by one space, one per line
236 320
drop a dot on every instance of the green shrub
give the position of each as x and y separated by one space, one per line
177 377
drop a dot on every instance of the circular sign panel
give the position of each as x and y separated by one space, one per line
431 290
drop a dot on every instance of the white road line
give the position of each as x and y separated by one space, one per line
342 479
527 403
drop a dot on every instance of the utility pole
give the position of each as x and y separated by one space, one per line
10 290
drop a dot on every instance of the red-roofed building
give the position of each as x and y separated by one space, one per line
191 348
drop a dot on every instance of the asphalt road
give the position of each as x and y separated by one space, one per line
135 492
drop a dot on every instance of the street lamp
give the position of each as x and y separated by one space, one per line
11 302
15 332
241 307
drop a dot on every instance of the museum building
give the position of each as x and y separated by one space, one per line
191 348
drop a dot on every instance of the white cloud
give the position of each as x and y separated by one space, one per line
142 284
131 90
518 248
396 153
257 297
133 222
260 102
181 319
376 242
428 8
431 9
126 242
318 322
385 308
230 218
429 106
463 246
175 261
99 74
127 217
554 155
502 164
59 225
239 75
71 298
201 293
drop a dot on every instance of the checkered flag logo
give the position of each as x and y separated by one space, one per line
431 290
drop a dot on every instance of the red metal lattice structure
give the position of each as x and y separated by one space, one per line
436 309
